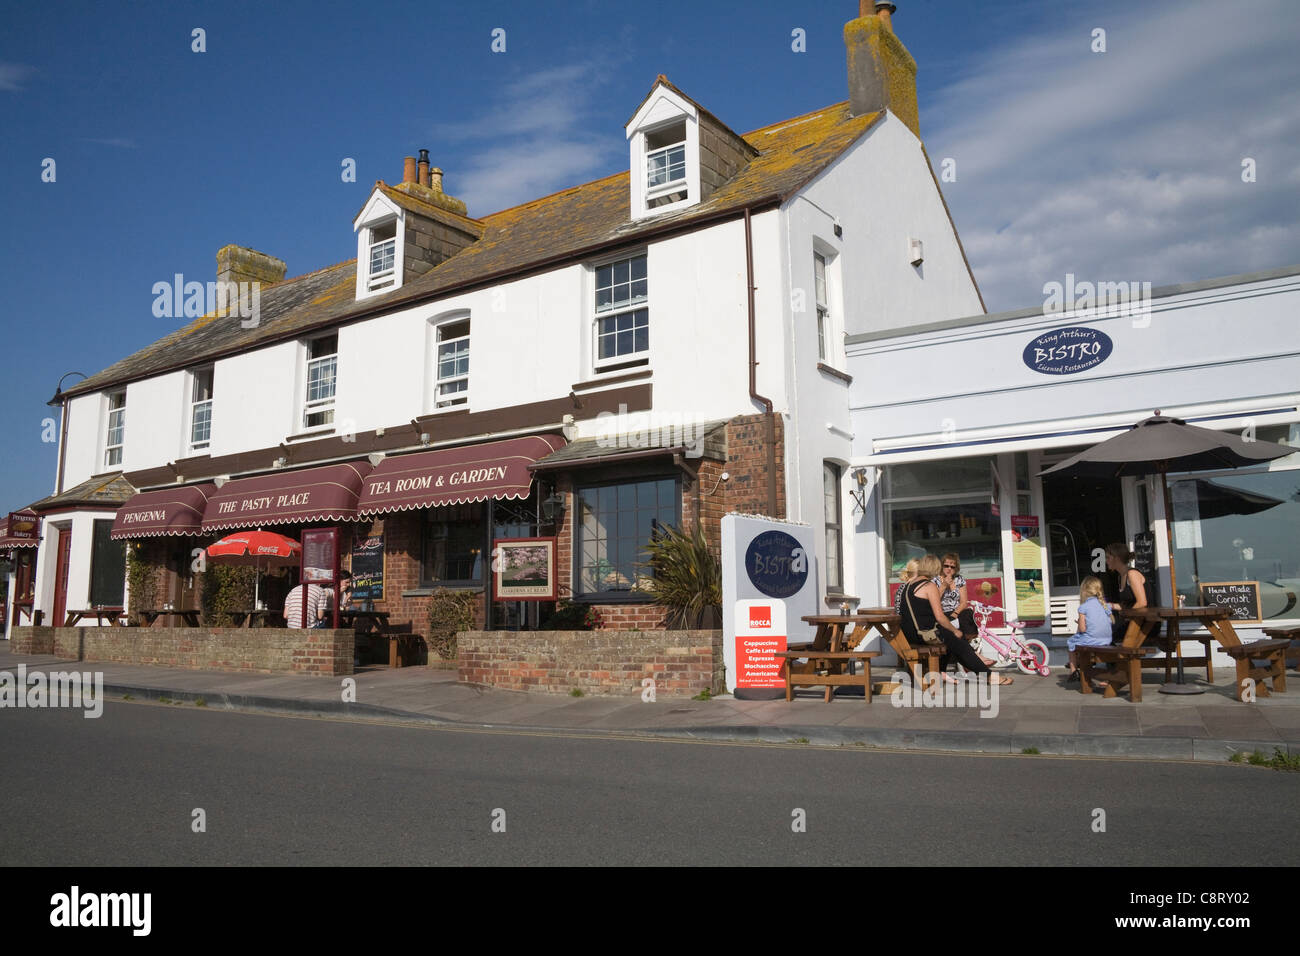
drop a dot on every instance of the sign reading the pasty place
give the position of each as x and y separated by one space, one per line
1067 351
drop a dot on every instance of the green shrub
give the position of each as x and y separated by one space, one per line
225 588
685 578
450 612
142 579
571 616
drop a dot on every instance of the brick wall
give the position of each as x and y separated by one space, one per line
747 462
321 652
611 663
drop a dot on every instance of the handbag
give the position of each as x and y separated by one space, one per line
931 634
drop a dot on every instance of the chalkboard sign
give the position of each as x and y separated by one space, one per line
1241 598
1144 560
368 568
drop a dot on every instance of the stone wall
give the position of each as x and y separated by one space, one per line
612 663
269 650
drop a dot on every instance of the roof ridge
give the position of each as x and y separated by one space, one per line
786 122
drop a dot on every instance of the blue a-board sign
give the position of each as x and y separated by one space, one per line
776 564
1067 351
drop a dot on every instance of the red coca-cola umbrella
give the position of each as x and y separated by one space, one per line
261 549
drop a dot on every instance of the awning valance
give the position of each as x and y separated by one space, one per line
20 529
495 469
164 511
326 493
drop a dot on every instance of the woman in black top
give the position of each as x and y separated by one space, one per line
1132 588
922 611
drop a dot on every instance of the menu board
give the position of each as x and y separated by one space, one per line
1241 598
1144 560
368 568
320 555
1026 552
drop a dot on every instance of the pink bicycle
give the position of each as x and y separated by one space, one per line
1029 654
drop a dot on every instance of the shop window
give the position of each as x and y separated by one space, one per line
1240 526
834 531
622 320
107 566
937 507
322 378
116 429
452 546
201 409
614 524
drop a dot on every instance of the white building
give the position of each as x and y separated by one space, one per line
709 287
955 420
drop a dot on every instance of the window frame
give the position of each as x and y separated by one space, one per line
319 406
835 471
427 519
630 596
393 280
461 399
194 404
634 359
112 460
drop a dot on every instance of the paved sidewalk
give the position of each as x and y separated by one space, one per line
1035 712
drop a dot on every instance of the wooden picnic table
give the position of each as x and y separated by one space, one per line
831 657
364 622
257 617
114 615
148 616
1218 625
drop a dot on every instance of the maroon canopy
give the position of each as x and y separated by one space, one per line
497 469
163 511
326 493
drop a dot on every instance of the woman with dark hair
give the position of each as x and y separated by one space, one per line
1132 587
922 611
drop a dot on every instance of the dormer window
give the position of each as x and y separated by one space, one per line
664 138
381 231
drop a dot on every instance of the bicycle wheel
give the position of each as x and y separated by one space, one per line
1033 657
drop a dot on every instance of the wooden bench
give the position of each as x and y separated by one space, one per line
1272 653
917 659
809 676
1127 673
1291 634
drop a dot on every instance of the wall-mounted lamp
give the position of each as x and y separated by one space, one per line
915 252
568 428
860 496
281 461
553 508
424 438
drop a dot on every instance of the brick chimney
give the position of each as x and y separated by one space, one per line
238 264
426 185
882 74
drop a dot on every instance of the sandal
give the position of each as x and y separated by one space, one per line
1002 680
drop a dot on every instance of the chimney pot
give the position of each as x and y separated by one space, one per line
408 169
424 167
435 179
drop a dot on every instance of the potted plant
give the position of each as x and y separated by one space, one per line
685 577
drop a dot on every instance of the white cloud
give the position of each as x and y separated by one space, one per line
12 76
1126 165
541 135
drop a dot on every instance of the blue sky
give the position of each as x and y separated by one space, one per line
1117 165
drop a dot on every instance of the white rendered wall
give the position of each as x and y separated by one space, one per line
881 193
83 529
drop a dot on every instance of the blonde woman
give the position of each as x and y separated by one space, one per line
1093 624
905 575
922 611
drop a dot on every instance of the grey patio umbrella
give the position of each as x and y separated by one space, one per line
1159 445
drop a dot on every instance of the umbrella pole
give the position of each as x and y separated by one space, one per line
1179 686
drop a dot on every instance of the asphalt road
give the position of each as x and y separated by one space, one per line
279 790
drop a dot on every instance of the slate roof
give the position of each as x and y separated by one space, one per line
110 491
572 224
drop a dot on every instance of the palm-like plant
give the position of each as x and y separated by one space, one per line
685 575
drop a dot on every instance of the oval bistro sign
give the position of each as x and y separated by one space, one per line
1066 351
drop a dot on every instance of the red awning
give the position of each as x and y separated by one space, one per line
497 469
327 493
25 533
164 511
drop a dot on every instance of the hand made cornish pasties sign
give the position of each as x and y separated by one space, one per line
1066 351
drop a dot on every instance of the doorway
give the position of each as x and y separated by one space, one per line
61 566
1083 516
